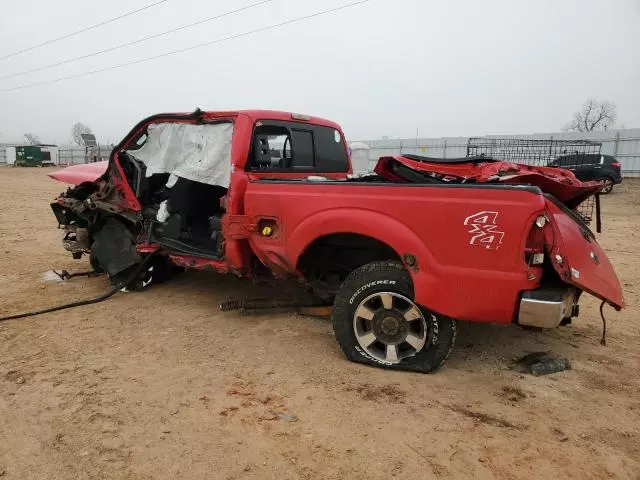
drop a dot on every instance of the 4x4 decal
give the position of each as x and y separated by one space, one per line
484 230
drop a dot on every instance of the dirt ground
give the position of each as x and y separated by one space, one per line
160 384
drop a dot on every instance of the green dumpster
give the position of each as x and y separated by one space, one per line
28 156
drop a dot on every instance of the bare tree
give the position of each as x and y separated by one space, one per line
593 117
77 130
32 138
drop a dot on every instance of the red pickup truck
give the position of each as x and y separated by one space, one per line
403 253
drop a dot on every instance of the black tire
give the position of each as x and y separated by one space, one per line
164 270
160 270
388 276
607 185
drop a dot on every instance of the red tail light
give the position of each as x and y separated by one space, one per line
615 164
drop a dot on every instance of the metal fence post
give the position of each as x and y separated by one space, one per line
616 143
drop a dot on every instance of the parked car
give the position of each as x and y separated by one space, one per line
601 168
402 254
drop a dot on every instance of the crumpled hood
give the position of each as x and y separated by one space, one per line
77 174
558 182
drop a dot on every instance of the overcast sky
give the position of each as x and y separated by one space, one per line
447 68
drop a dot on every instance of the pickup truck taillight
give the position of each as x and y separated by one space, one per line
615 164
534 248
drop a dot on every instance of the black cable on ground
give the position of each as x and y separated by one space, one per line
603 340
90 301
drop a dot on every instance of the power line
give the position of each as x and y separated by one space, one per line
182 50
134 42
82 30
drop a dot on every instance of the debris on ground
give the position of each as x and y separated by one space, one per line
50 276
322 311
287 417
562 437
542 363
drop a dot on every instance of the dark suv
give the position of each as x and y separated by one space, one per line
592 167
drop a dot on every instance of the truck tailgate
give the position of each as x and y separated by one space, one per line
578 258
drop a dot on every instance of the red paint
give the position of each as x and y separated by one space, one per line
76 174
470 242
425 221
583 263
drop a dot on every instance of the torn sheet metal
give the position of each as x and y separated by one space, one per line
558 182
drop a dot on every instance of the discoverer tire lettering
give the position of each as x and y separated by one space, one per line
371 284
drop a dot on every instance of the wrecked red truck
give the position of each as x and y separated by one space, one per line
401 254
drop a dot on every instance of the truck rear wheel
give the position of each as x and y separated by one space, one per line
377 323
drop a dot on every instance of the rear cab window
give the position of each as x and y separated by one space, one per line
279 146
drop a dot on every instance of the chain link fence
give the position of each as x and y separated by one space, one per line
622 144
77 155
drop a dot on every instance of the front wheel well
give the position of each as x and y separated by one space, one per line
329 259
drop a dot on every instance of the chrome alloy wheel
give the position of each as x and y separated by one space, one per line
389 327
607 185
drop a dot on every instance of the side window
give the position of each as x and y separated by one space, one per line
331 155
293 146
139 142
271 148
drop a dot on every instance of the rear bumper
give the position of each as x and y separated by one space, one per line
547 307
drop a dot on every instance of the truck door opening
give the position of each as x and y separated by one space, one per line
183 176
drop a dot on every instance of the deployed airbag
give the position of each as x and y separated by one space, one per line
201 153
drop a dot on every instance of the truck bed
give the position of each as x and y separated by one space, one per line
430 222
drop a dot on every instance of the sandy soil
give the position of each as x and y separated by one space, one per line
160 384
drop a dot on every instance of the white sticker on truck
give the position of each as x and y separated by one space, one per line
485 231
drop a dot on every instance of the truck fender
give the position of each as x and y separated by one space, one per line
379 226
